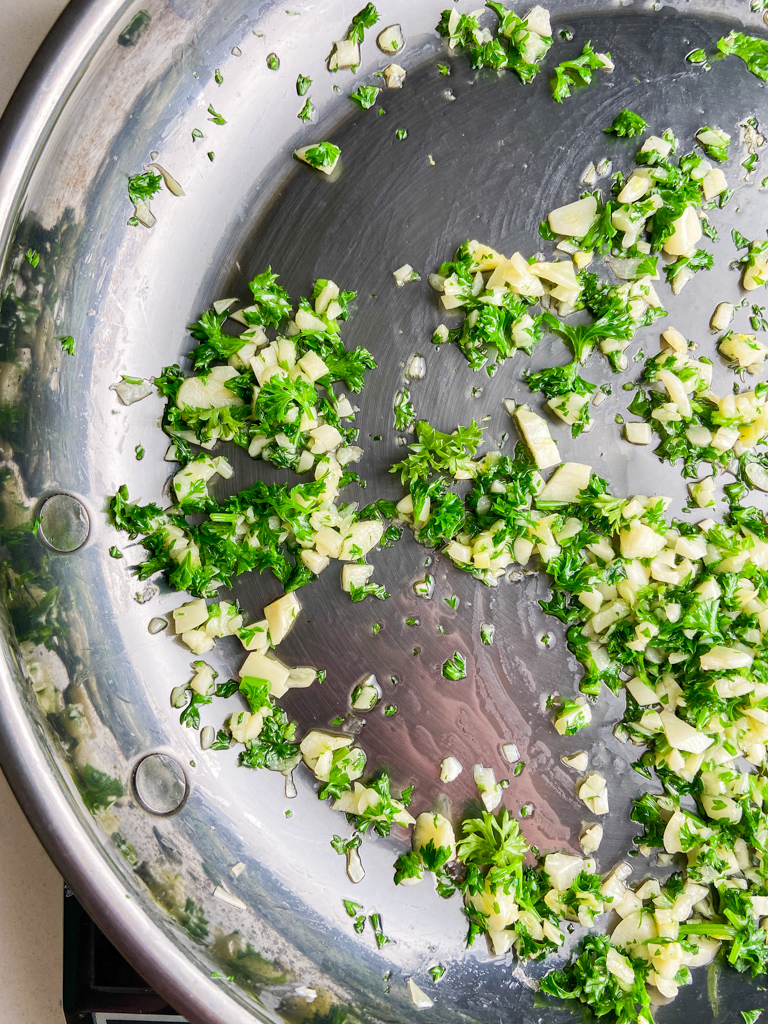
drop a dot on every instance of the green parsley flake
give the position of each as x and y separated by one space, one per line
456 667
215 117
627 123
367 590
115 553
196 134
750 163
401 133
390 709
577 71
365 96
697 57
351 907
364 19
343 846
218 77
307 112
32 257
405 414
303 83
67 344
487 631
437 452
751 49
378 932
437 972
443 69
273 62
139 452
142 187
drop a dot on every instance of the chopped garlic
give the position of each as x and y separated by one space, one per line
537 437
578 761
405 274
419 998
722 317
594 793
417 367
510 752
190 615
638 433
591 839
450 769
391 39
490 792
394 76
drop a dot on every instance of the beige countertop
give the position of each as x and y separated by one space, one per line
31 889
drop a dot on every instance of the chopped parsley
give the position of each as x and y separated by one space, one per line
115 552
405 414
436 452
365 96
750 163
32 257
273 61
342 847
364 19
367 590
627 123
401 133
455 667
512 45
68 344
487 631
701 260
588 979
308 111
142 187
577 72
751 49
216 118
303 82
324 154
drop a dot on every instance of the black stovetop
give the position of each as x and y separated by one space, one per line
100 986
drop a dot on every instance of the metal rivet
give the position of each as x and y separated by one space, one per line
64 523
160 784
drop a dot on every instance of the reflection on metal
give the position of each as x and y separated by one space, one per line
64 523
160 784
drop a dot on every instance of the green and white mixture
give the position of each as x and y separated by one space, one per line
674 614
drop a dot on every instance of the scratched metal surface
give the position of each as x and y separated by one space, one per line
483 158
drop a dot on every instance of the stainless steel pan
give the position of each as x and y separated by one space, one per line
483 158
